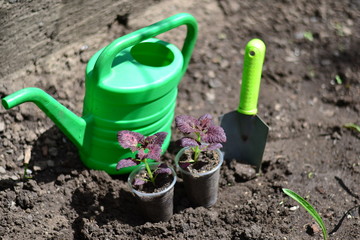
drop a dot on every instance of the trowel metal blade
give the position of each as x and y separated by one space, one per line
246 137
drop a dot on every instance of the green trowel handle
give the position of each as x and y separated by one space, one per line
251 76
103 65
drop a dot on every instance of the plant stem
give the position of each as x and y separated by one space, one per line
197 149
151 176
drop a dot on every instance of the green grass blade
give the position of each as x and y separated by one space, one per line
309 208
352 126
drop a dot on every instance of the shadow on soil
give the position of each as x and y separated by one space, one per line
52 155
351 210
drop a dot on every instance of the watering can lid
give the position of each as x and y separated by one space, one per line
149 65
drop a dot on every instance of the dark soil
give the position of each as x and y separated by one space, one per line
207 161
162 181
310 90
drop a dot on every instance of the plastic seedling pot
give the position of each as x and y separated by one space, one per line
155 206
201 188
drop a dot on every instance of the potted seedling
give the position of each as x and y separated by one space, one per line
200 159
152 183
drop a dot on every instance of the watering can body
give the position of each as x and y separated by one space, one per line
130 85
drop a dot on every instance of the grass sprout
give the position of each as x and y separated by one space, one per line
309 36
338 79
352 126
308 208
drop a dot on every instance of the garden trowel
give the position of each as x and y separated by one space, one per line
246 133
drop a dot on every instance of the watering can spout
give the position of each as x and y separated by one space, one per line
72 125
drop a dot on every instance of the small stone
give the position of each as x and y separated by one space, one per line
39 166
19 117
53 151
210 96
32 186
60 179
20 158
211 74
27 155
85 56
299 35
277 107
294 208
328 113
224 64
336 135
325 62
2 170
2 126
50 163
25 200
198 75
244 171
347 31
14 177
213 215
30 136
10 151
312 229
320 189
214 83
305 125
221 36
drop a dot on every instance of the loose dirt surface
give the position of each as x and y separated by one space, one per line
310 89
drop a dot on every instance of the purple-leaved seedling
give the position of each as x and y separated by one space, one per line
146 148
201 134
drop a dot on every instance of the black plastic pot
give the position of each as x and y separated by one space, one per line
157 206
202 188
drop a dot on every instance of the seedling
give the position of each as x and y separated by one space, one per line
308 208
338 79
27 171
201 134
352 126
309 36
147 149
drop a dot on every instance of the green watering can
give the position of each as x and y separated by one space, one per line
130 85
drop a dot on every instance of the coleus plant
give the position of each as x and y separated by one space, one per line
201 134
147 148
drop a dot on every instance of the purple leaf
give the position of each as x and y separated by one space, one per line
127 162
160 137
204 122
184 165
188 142
129 139
138 181
186 124
213 146
157 139
163 169
141 154
215 134
154 152
148 140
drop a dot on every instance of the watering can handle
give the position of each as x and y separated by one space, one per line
102 66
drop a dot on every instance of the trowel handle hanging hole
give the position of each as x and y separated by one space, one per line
252 53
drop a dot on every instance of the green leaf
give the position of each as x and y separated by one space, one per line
338 79
309 208
309 36
353 126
